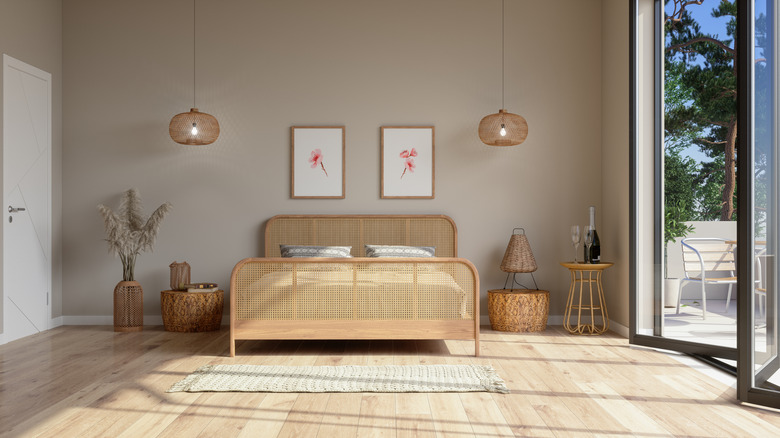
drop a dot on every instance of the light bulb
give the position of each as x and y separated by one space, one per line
194 129
502 131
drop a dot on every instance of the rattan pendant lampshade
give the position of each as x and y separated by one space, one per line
194 127
503 128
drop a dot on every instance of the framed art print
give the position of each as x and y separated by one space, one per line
317 168
408 159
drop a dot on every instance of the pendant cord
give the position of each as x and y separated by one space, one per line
502 53
194 100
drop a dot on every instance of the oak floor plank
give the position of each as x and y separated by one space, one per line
485 417
414 426
90 381
623 411
232 421
377 415
342 415
305 416
449 416
269 417
196 417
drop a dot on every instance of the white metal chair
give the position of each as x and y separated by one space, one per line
707 254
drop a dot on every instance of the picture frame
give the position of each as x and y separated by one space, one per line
408 162
317 162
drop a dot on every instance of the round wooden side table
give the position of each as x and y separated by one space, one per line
582 273
518 310
184 311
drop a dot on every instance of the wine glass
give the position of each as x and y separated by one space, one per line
576 237
588 239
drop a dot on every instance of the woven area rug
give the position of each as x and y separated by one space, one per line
388 378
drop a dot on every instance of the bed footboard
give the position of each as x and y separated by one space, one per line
354 298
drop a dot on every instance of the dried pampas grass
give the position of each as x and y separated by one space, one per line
128 232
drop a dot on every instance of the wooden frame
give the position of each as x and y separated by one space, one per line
289 324
410 151
316 146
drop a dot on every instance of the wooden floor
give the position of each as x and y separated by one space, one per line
90 381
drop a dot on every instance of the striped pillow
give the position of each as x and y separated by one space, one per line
315 251
400 251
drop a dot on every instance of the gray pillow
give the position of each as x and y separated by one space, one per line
400 251
315 251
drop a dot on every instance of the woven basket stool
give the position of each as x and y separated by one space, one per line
518 310
191 311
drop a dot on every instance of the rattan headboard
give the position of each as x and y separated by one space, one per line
357 230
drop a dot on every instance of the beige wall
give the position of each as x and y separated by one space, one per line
614 154
31 31
264 66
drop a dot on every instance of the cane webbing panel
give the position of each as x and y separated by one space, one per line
356 231
366 289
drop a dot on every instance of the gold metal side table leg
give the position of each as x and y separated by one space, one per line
597 306
569 305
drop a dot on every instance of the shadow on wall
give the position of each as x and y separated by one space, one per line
722 229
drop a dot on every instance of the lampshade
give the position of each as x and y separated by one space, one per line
518 256
513 127
502 128
194 128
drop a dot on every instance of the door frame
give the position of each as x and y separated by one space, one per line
13 63
656 340
747 391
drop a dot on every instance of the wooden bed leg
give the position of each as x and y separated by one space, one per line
232 347
476 347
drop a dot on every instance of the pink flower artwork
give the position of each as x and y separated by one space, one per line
409 165
316 159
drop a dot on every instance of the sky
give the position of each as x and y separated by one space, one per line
714 26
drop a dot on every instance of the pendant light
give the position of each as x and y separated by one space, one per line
503 128
194 127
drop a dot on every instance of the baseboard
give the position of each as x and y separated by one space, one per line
55 322
157 320
551 320
619 329
105 320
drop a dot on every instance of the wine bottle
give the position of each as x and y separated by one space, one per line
592 254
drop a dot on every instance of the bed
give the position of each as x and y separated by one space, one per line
359 297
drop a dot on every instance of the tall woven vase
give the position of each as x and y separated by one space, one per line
128 307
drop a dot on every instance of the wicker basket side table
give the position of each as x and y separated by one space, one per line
518 310
191 311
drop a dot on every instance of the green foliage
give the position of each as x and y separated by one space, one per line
674 226
700 102
680 183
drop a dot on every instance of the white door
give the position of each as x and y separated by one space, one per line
26 208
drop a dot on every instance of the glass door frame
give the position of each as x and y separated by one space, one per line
744 354
747 390
656 340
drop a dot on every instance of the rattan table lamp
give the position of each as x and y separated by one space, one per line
518 258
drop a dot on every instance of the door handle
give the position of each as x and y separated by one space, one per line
15 209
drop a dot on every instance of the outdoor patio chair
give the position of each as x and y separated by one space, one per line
703 255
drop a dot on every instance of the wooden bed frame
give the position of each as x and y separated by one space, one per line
421 310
